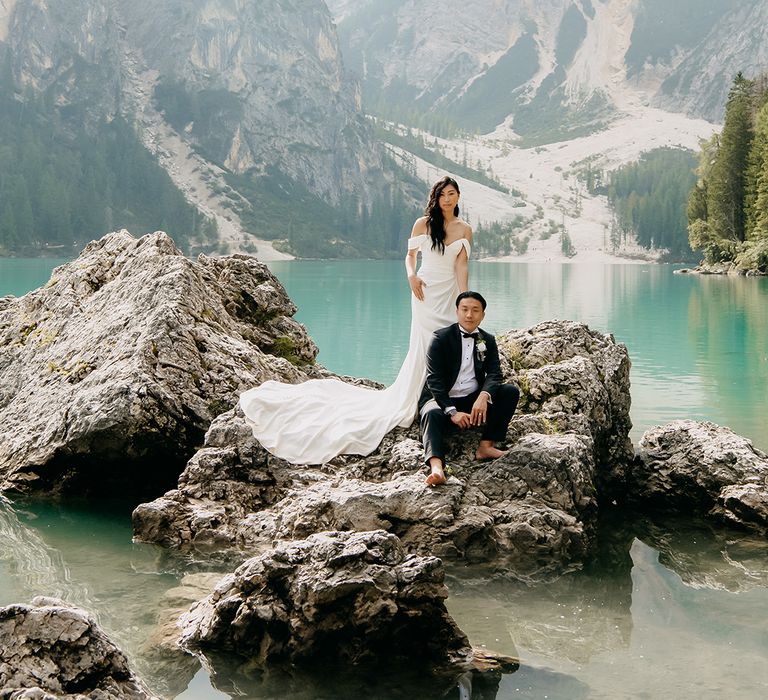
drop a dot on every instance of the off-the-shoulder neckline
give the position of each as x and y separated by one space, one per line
424 235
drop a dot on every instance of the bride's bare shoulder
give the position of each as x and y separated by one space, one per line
465 228
419 226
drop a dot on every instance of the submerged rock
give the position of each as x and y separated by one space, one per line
532 510
111 373
704 467
49 649
333 598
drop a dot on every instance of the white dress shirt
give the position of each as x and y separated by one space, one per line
466 382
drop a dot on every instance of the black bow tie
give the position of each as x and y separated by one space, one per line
474 335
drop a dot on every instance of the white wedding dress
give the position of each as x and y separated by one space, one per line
312 422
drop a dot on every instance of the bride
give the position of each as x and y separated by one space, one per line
317 420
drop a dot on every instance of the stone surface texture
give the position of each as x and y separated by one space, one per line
112 372
51 650
706 467
532 510
336 596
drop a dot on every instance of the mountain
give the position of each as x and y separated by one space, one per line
551 69
252 94
312 128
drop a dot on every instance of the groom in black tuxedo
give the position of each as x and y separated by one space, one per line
464 387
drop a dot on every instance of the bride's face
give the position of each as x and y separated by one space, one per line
448 199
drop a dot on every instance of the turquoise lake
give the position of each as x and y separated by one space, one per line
671 607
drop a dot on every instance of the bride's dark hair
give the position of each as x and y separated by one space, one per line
435 223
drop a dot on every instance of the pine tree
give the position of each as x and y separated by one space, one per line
727 182
757 201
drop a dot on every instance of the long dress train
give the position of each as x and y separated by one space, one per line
312 422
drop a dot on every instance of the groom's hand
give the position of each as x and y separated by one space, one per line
461 420
480 409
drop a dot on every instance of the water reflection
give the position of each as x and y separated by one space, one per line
669 607
572 618
728 326
29 566
233 678
672 607
82 553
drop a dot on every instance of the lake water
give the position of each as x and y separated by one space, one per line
670 608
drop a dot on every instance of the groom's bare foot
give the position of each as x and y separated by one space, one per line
437 477
489 452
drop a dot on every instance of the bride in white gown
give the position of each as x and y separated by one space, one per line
317 420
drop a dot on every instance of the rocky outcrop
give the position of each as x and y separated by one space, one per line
532 510
265 89
51 650
66 49
111 373
706 467
573 379
339 597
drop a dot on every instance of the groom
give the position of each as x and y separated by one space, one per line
464 387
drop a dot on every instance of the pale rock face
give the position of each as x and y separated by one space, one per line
65 47
453 45
598 64
703 78
414 46
272 69
6 10
281 68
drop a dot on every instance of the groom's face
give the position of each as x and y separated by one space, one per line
470 314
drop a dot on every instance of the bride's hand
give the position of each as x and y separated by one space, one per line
417 286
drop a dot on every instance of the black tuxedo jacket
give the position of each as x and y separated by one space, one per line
444 363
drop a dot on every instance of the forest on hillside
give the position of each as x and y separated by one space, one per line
728 206
62 185
649 199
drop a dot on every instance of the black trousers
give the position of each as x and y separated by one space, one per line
435 425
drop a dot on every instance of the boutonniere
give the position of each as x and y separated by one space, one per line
480 348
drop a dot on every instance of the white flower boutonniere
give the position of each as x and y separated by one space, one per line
480 348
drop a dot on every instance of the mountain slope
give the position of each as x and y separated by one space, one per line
257 91
552 69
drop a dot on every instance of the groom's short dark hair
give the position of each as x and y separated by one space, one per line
471 295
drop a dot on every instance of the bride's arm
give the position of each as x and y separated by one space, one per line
462 264
415 282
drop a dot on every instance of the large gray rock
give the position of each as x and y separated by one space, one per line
573 378
51 650
706 467
111 373
337 597
532 511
